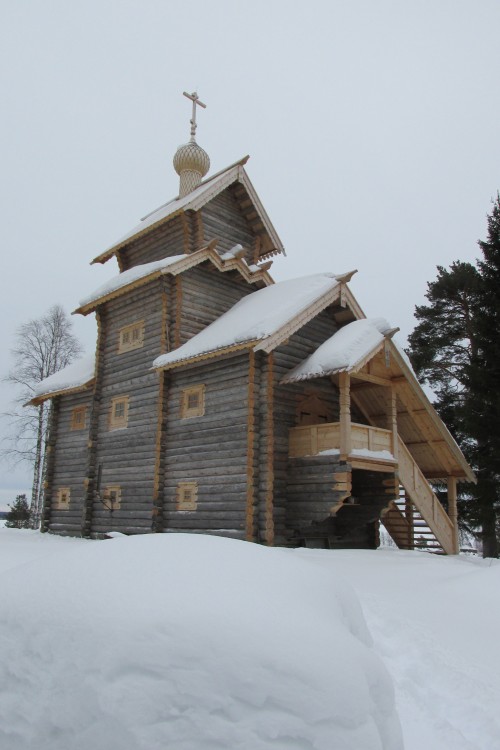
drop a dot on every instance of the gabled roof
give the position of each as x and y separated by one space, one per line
261 320
364 349
75 377
193 202
347 350
175 264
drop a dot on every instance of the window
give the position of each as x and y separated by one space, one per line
187 495
193 402
131 337
118 415
112 496
63 497
79 418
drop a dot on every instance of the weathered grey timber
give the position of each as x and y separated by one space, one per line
66 467
210 450
205 294
203 446
223 219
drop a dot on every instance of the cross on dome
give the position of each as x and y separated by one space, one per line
196 101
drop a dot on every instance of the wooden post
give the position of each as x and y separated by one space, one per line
269 504
250 504
452 512
50 460
409 518
91 472
393 423
345 415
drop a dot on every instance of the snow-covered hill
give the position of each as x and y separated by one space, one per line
198 643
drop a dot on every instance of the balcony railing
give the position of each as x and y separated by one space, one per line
309 440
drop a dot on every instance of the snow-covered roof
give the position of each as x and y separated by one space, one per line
70 378
175 264
345 350
129 277
194 201
261 317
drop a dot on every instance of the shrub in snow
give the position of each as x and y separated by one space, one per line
187 642
19 515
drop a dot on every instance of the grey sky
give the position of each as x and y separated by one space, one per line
372 129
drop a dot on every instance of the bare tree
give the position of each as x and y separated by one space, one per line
44 346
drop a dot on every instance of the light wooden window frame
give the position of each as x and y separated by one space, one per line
193 401
63 498
131 337
76 423
112 496
187 495
118 422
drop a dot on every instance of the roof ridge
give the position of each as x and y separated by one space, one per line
241 162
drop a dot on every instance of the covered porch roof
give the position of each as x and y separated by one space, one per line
364 349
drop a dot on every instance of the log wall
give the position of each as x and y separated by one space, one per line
221 219
127 456
171 238
211 450
66 467
224 220
287 399
205 294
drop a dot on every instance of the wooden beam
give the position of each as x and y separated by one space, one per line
269 501
374 379
452 510
345 415
250 502
393 422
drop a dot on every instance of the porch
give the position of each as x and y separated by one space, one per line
374 449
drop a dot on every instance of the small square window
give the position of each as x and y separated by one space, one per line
63 498
131 337
118 415
187 495
112 496
79 418
193 402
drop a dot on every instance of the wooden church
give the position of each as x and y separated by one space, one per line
221 402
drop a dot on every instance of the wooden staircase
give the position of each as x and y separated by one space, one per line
407 527
428 524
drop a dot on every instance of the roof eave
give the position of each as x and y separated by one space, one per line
37 400
468 473
190 261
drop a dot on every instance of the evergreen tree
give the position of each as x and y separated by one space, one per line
456 349
483 414
18 516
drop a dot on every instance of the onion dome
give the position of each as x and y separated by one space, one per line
191 163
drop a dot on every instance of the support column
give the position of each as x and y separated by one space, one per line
393 423
452 512
345 415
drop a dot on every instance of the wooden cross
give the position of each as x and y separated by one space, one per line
194 98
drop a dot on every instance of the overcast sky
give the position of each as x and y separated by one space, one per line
372 127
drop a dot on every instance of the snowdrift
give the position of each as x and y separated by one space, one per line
187 642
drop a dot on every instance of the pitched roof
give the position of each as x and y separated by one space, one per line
75 377
348 349
364 349
195 200
174 265
261 320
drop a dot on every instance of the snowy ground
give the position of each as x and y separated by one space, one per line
202 643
